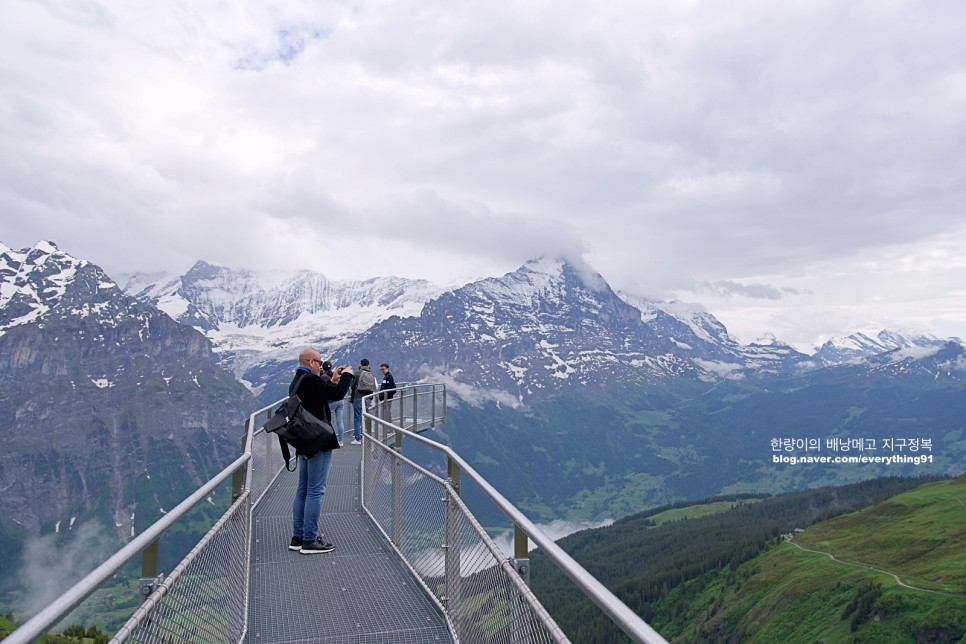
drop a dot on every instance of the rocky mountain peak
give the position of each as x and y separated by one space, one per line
547 325
97 389
255 318
36 281
861 345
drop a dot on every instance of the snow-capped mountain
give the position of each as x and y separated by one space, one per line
35 281
858 346
543 327
769 355
918 357
260 317
943 360
97 389
545 324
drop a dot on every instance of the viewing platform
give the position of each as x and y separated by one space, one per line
411 563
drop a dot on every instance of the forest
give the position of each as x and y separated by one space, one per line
642 562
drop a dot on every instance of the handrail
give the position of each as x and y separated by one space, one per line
60 607
628 621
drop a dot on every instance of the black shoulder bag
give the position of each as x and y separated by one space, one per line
297 426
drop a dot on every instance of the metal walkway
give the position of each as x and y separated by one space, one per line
361 592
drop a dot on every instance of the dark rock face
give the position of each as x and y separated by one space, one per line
108 407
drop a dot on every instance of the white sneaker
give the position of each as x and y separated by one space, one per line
355 442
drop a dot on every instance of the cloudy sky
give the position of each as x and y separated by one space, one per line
796 167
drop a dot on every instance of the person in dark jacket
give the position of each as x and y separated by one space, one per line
363 385
386 391
336 407
315 394
388 387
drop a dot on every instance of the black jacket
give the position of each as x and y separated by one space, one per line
316 393
388 386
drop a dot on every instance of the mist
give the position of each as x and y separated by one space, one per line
53 563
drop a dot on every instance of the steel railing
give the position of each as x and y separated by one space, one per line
205 597
483 593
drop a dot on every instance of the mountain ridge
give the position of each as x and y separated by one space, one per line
551 350
673 338
252 318
97 388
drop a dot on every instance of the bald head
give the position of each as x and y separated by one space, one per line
312 359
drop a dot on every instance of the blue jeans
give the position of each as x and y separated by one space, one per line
357 418
337 408
307 506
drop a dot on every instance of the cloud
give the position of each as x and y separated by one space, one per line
725 370
477 557
54 562
914 353
431 221
959 364
729 288
737 145
472 395
754 291
556 530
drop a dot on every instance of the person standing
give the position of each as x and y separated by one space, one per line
336 407
386 391
315 394
363 385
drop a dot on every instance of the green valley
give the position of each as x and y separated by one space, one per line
735 576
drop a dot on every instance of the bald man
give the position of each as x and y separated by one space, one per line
315 394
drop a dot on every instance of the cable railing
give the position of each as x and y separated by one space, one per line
483 594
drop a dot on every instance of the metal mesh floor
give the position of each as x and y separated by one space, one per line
361 592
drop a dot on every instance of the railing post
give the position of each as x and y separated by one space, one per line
238 478
415 408
149 564
397 497
398 437
521 564
366 422
453 472
454 583
521 553
268 443
149 581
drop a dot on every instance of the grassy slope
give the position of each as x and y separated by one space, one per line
787 595
6 627
919 535
697 511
